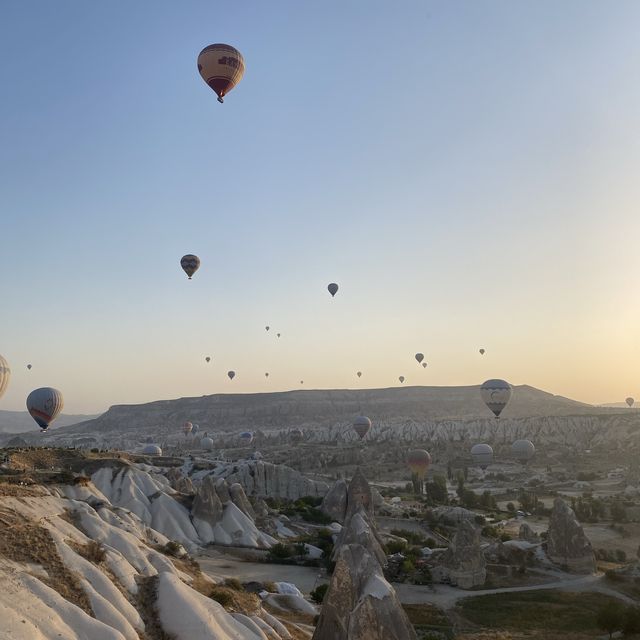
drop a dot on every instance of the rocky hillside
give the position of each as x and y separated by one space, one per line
316 409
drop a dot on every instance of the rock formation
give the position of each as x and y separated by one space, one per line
334 503
241 501
567 544
360 604
528 534
207 506
265 480
463 563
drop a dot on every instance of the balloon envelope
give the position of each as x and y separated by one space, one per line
221 67
419 357
190 264
361 426
481 352
152 450
5 375
29 367
196 428
401 378
296 435
45 405
629 401
496 395
424 365
246 437
419 461
333 289
208 359
359 374
523 450
231 374
187 427
266 375
267 328
206 443
482 455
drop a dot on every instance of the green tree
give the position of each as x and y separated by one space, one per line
610 618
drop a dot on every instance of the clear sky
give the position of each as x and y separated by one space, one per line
466 171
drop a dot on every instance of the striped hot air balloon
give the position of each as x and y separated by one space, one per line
221 67
482 455
362 426
419 461
45 405
496 395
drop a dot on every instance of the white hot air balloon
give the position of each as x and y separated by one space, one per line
482 455
5 375
206 444
496 395
152 450
523 450
45 405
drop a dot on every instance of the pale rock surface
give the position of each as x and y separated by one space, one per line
463 562
207 620
567 544
241 501
334 503
360 604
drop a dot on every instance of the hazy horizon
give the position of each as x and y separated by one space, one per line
472 185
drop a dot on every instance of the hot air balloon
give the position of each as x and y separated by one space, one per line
419 357
45 405
496 395
629 401
267 328
401 378
221 67
482 455
278 335
481 352
418 461
266 375
190 264
333 289
424 365
196 428
362 425
187 427
246 438
29 367
231 374
152 450
359 374
208 358
301 381
206 443
296 435
523 450
5 374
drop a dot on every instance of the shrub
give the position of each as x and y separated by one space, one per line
94 552
173 548
280 552
221 596
233 583
318 594
396 546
